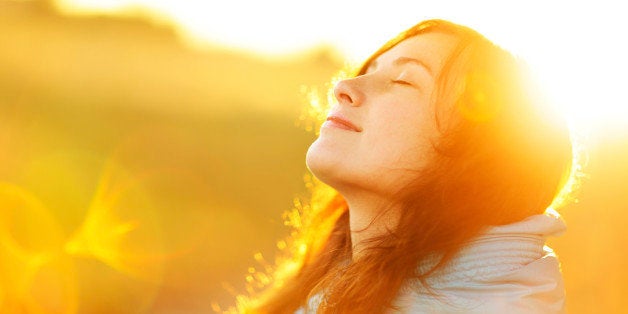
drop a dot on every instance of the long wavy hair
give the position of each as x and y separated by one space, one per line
502 156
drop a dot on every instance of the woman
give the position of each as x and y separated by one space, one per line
443 162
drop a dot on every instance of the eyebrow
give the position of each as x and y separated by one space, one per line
402 61
407 60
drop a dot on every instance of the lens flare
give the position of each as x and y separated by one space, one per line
37 277
105 236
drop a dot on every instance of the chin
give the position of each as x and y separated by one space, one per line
339 167
323 162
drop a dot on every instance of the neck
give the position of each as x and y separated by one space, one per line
370 216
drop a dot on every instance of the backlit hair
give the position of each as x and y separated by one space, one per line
502 156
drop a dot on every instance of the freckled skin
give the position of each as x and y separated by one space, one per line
392 105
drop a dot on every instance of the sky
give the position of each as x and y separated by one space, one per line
574 46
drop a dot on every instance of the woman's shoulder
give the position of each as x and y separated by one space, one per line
507 270
534 288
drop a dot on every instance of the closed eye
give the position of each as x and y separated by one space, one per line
402 82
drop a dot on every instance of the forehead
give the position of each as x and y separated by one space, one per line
432 49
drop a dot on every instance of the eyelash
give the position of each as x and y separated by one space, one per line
402 82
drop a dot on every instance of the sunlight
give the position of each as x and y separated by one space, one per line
99 5
107 237
36 277
146 146
120 229
551 42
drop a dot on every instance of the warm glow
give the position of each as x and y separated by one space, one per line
36 276
121 232
105 236
566 43
141 172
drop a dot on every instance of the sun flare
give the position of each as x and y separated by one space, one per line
147 147
552 42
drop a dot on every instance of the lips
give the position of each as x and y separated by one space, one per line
340 122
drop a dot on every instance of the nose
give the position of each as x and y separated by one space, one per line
347 93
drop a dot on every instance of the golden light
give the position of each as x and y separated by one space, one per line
36 276
126 202
570 45
121 232
104 235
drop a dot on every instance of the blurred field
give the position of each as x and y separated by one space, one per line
138 175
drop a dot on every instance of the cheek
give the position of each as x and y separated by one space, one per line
404 139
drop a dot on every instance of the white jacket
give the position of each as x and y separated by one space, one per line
508 269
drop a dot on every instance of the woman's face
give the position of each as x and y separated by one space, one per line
379 135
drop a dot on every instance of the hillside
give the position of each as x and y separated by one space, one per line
139 175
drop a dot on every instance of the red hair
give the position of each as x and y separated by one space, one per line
501 157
